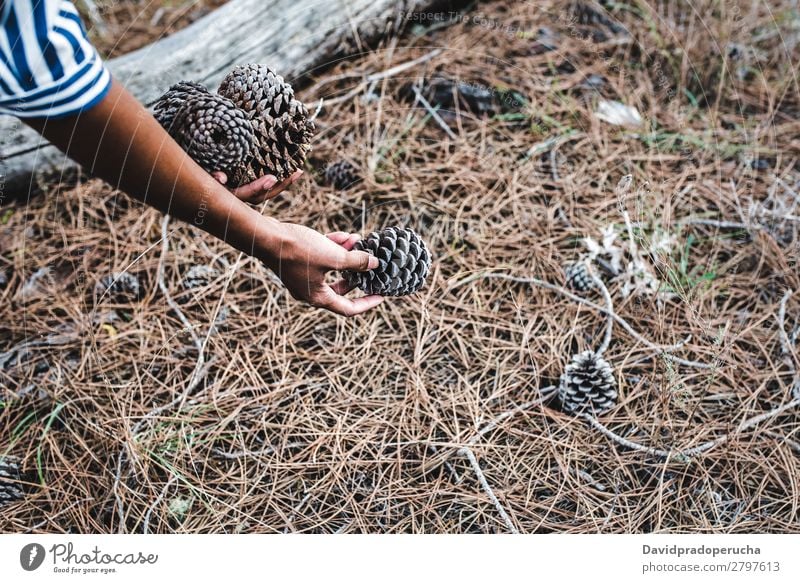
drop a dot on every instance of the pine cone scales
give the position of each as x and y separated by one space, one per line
579 278
341 175
10 476
118 288
588 385
253 126
404 263
280 122
212 130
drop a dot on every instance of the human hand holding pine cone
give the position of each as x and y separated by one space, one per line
306 256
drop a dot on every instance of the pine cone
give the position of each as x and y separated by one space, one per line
10 478
593 16
404 263
213 131
118 288
198 276
341 175
588 385
282 129
579 278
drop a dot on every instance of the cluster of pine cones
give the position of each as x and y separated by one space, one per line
251 127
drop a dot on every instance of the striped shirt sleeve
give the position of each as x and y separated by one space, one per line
48 67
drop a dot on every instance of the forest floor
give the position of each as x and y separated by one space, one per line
435 412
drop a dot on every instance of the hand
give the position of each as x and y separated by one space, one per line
260 189
305 256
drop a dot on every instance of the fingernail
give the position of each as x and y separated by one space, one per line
269 182
373 262
222 178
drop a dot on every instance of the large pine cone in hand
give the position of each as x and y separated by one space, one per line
214 132
404 263
282 128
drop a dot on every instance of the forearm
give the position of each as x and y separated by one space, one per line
120 141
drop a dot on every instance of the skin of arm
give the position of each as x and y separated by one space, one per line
121 142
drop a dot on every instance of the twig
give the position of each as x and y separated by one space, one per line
494 423
786 345
465 451
783 439
618 319
379 76
719 224
609 304
545 393
156 502
199 372
683 454
294 513
173 304
434 114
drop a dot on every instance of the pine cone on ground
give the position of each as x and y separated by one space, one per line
341 175
118 288
593 16
214 132
588 385
10 478
198 276
579 278
282 129
404 263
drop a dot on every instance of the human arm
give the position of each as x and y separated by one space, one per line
119 140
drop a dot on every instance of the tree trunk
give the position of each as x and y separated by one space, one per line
293 36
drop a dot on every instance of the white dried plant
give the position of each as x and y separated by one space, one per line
618 114
630 261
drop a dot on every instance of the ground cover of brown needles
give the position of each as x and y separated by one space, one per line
288 419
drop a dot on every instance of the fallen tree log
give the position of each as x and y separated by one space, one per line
293 36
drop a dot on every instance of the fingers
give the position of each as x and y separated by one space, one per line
359 261
257 191
346 240
260 189
346 306
283 185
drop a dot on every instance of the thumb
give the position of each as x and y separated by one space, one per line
360 261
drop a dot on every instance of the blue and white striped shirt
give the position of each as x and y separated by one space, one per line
48 68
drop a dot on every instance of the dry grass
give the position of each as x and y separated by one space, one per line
128 25
307 422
